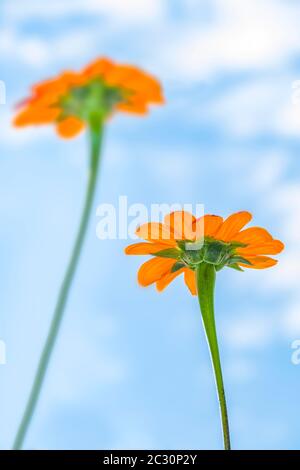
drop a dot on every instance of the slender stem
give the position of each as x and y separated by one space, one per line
96 133
206 276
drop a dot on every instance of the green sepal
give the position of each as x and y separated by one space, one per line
235 266
238 259
214 253
177 266
94 97
168 253
182 243
238 244
218 267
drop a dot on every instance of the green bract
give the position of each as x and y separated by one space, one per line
94 98
208 250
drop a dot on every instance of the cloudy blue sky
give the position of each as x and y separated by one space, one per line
131 367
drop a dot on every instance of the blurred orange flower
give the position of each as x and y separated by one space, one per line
102 88
73 101
182 242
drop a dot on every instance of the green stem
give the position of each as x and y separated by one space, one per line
96 133
206 276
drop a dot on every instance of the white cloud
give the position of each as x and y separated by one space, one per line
238 35
129 11
173 166
291 320
31 51
285 200
250 331
13 137
259 106
282 200
99 366
285 275
36 51
240 370
269 170
242 35
288 120
248 109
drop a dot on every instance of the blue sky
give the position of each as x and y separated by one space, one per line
131 367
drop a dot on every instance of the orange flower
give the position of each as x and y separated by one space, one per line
183 242
102 88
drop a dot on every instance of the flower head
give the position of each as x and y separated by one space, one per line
70 100
182 242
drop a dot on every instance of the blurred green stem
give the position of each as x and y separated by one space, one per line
96 134
206 277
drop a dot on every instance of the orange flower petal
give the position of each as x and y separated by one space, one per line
69 127
167 278
141 88
144 248
35 116
209 224
259 262
155 231
253 235
268 248
181 224
232 225
190 280
98 68
153 270
134 105
50 99
50 91
128 74
145 87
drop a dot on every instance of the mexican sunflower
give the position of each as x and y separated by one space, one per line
198 249
72 102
